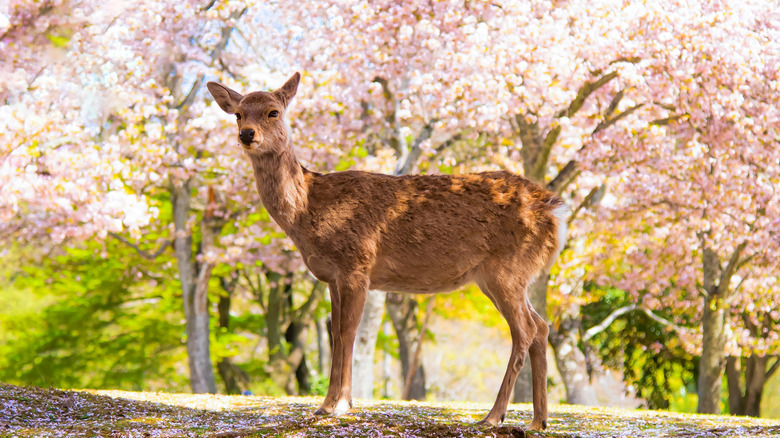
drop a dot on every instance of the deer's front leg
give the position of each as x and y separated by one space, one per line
348 295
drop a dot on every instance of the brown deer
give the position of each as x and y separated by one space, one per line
417 234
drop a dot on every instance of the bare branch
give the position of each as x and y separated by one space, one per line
142 253
593 331
774 368
665 322
302 312
543 156
667 120
563 178
214 57
584 92
449 142
415 151
607 122
613 104
731 268
595 195
391 108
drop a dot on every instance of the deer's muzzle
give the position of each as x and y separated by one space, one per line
246 136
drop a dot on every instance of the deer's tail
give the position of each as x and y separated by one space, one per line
561 212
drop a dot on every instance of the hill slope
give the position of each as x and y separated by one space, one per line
36 412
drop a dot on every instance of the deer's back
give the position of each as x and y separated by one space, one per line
422 233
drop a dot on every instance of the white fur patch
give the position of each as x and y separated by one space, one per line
342 407
562 213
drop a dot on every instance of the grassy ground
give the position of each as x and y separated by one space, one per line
36 412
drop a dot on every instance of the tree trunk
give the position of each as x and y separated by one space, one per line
403 313
713 357
323 345
747 401
365 344
280 286
572 363
195 294
294 335
713 350
232 375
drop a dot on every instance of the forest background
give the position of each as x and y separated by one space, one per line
136 255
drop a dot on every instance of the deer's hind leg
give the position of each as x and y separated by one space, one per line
508 293
538 353
348 295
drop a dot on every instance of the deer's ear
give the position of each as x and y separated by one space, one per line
226 98
287 92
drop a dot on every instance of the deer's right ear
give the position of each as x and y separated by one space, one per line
226 98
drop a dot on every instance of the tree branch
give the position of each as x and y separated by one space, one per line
563 177
593 331
731 267
606 123
415 151
391 106
774 367
584 92
594 196
311 301
214 56
529 132
543 157
667 121
613 104
449 142
665 322
142 253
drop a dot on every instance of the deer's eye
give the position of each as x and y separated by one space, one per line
273 113
238 116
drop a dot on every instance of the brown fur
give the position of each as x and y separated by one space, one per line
417 234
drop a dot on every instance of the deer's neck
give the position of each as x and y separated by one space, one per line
281 185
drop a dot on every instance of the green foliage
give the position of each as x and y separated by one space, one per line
85 319
469 303
320 385
350 159
649 354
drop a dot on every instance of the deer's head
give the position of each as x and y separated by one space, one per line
260 115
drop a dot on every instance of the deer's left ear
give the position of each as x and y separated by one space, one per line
288 90
226 98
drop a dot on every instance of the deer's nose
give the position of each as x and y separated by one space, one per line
246 136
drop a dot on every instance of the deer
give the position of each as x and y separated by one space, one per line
420 234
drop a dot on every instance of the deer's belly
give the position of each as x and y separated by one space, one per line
420 278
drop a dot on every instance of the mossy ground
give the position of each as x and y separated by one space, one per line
37 412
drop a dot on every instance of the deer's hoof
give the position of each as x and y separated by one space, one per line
490 421
342 407
321 411
538 425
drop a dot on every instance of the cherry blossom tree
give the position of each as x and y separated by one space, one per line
698 190
117 143
668 107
